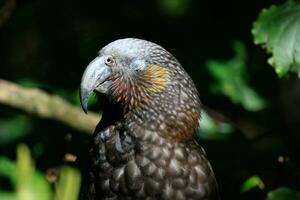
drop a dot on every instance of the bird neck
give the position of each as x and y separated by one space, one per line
155 120
136 91
153 103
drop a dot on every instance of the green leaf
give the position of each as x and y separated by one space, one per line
282 194
7 196
174 7
31 185
252 182
69 184
27 82
28 183
14 128
231 80
212 129
8 169
278 28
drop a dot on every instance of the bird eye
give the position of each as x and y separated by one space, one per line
109 61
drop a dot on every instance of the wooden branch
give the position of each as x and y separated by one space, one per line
44 105
6 11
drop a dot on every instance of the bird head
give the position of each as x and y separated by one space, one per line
146 80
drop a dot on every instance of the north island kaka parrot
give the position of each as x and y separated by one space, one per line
143 148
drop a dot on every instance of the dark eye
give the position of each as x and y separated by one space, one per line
109 61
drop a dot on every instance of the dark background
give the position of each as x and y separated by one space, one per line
47 44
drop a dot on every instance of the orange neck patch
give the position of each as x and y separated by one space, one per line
154 79
131 91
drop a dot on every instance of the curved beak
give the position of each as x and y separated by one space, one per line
95 77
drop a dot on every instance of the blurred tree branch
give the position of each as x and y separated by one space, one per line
6 11
38 102
44 105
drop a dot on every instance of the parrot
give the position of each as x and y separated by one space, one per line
144 145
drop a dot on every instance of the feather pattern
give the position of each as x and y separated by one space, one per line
148 152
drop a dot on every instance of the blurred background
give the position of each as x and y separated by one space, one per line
251 117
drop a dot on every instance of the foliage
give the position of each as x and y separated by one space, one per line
212 129
252 182
14 127
69 184
30 184
174 7
278 28
282 194
231 80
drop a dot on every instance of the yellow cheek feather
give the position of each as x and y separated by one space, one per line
155 78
